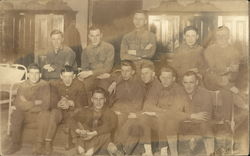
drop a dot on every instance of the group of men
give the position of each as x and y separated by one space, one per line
193 99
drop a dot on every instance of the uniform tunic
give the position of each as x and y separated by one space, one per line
64 56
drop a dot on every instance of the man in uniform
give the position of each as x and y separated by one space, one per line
31 106
92 127
222 60
97 59
201 100
58 57
139 44
164 106
70 97
188 56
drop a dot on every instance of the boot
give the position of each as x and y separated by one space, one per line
48 148
12 148
38 148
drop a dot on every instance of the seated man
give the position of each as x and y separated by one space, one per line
72 97
93 125
126 102
201 100
58 57
164 106
97 59
231 128
31 106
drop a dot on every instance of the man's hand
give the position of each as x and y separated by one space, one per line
103 76
48 67
71 103
63 103
149 113
132 116
149 46
200 116
118 113
90 135
82 132
84 74
112 88
235 90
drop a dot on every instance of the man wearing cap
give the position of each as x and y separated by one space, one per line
188 56
139 44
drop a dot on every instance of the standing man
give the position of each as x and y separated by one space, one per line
139 44
32 104
72 97
201 100
93 126
222 61
58 57
97 58
188 56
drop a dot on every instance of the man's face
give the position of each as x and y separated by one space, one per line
127 72
147 75
98 100
222 37
190 83
95 36
57 41
139 20
34 75
191 37
67 78
167 79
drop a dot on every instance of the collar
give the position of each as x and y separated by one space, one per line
93 46
60 49
193 47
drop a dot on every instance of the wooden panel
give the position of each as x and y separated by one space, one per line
44 25
166 29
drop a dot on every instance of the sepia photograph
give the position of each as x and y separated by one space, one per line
124 78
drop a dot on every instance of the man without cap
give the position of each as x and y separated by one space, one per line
139 44
222 60
188 56
58 57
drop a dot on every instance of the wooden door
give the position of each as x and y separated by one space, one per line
166 29
44 24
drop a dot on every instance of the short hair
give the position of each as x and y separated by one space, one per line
148 64
94 27
168 69
56 31
128 63
34 66
67 68
187 28
141 12
223 28
191 73
101 91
